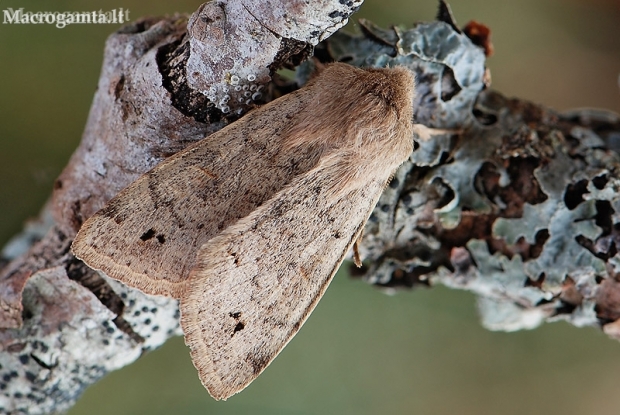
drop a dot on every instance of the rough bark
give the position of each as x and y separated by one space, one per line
504 198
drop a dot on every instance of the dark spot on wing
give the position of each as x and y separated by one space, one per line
240 326
147 235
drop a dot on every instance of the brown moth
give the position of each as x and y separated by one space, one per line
248 226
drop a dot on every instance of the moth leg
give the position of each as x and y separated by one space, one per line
356 253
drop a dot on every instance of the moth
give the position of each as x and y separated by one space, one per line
248 226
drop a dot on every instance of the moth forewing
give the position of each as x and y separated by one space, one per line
255 283
249 295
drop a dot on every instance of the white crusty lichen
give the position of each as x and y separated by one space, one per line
237 42
64 346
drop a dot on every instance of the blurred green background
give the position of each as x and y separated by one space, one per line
361 352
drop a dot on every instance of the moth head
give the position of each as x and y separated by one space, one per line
351 105
360 120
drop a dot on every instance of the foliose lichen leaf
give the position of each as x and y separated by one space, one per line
508 199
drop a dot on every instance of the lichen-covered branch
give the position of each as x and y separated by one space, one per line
505 198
